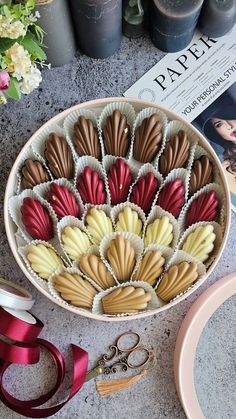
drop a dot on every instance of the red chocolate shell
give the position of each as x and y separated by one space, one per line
36 219
144 191
91 187
63 201
119 180
171 197
204 208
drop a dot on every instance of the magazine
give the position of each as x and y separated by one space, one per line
199 83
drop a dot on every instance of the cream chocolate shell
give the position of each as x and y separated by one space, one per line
177 280
43 260
159 231
200 242
126 300
121 257
75 242
128 220
98 224
74 289
93 267
150 267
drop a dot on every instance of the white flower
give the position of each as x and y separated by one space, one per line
31 80
20 61
3 99
11 29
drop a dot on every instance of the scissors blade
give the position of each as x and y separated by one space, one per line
94 373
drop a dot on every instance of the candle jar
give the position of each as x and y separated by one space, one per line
217 17
98 26
133 18
55 20
173 22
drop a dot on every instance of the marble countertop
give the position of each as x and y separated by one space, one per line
154 396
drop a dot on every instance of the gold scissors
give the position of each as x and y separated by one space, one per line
122 355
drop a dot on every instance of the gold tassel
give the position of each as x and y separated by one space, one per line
105 388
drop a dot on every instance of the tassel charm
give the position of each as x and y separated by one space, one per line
106 388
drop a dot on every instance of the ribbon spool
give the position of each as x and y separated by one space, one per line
23 329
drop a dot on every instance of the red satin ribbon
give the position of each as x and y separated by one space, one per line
28 352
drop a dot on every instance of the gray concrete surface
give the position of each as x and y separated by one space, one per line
154 397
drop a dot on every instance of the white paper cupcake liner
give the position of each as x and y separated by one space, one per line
135 241
217 242
23 251
71 120
106 208
20 241
157 213
146 113
94 165
154 303
117 209
126 109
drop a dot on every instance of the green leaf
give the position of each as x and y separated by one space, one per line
6 43
30 43
14 89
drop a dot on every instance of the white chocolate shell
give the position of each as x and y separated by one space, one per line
150 267
98 224
76 290
159 232
121 257
177 280
128 220
126 300
43 260
93 267
200 242
75 242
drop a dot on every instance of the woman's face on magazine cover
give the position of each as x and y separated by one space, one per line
225 128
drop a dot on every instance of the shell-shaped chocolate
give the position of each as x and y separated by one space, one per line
176 153
85 138
93 267
160 231
203 208
201 175
150 267
144 191
116 133
171 197
98 224
76 290
75 242
91 187
33 173
128 220
43 260
177 280
36 219
119 180
126 300
148 138
200 242
63 201
121 257
59 157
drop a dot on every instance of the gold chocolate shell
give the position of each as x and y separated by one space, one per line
201 175
85 138
59 156
33 173
128 220
43 260
175 154
93 267
121 257
75 242
126 300
177 280
76 290
150 267
98 224
159 232
148 138
200 242
116 134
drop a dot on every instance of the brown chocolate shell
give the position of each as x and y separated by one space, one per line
59 156
176 153
116 133
202 174
85 138
33 173
148 138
